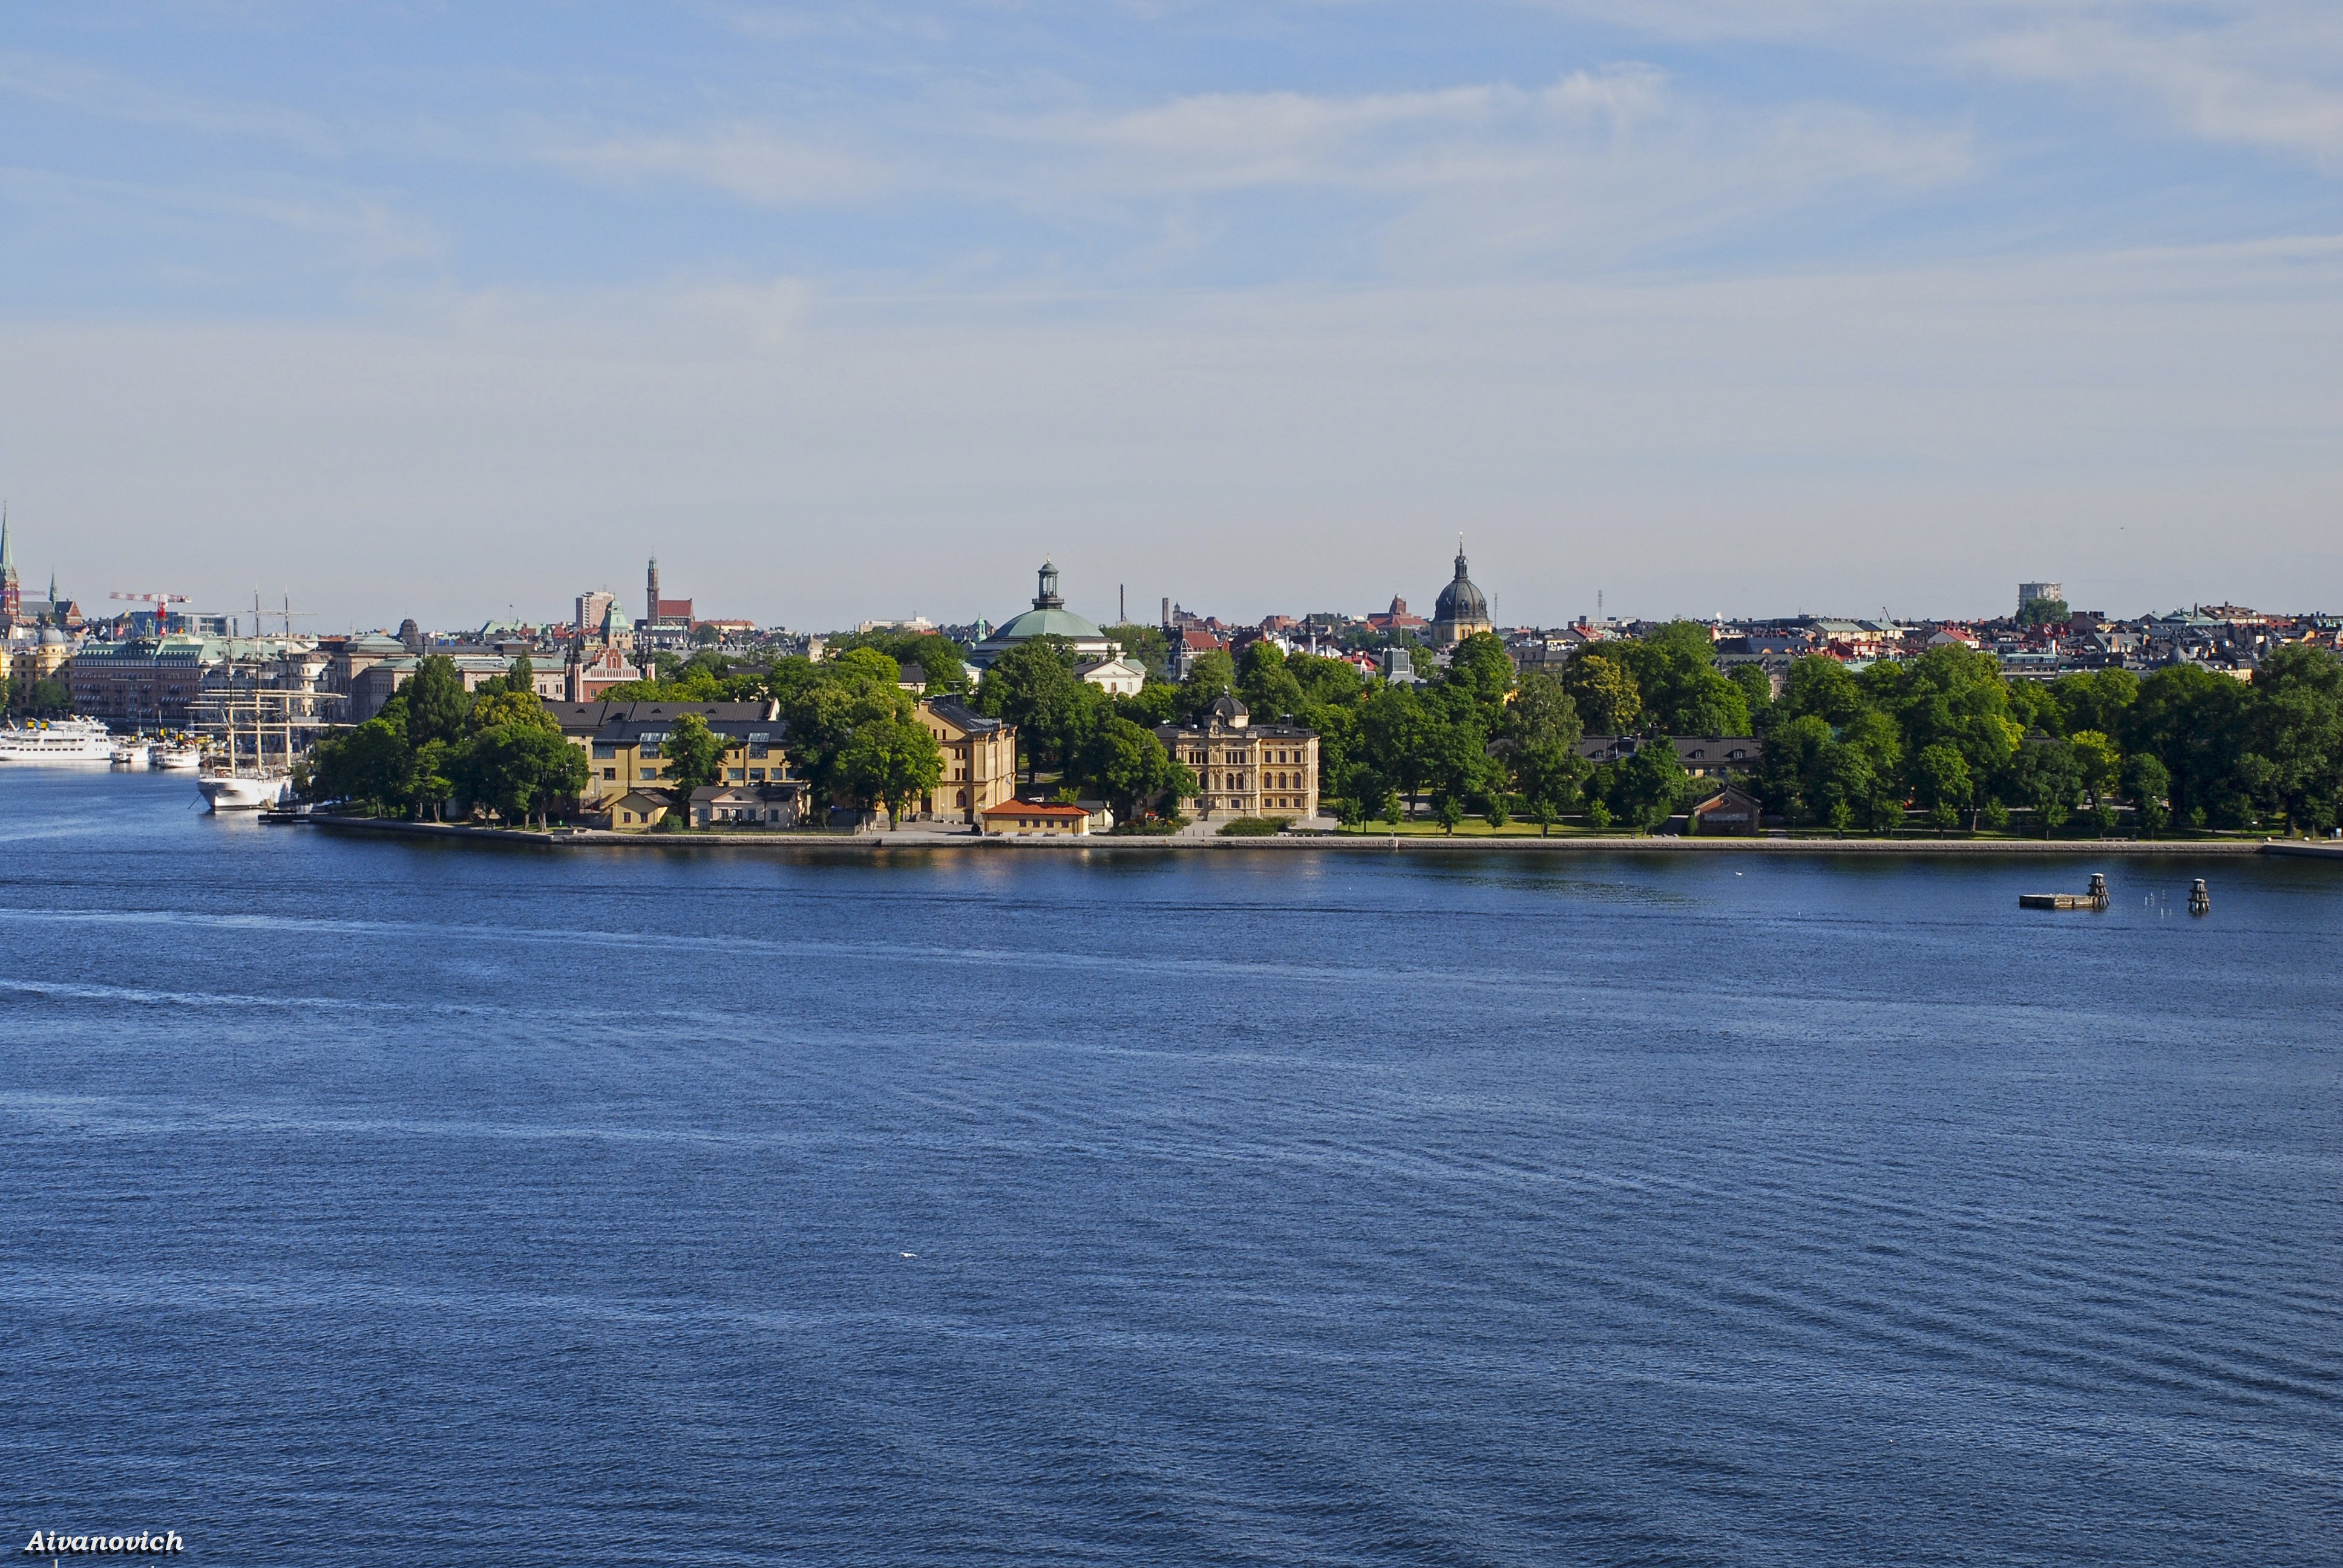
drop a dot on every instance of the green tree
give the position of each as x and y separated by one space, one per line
48 697
436 701
2041 611
1145 646
2197 724
1480 667
2147 784
1130 767
2298 726
1542 732
1263 683
890 761
1823 686
2048 778
429 781
1448 811
1397 731
368 765
1940 777
2099 763
520 770
694 753
2094 700
1648 785
1757 694
1210 677
1603 691
1033 687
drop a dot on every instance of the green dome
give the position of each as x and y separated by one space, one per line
1036 623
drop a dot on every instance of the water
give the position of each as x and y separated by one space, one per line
370 1202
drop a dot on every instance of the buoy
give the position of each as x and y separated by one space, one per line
2200 902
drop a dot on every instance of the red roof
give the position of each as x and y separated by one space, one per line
1033 809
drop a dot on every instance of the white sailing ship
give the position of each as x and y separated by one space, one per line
57 740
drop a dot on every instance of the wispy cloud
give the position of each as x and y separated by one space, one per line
104 95
762 167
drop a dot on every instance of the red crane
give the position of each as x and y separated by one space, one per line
162 603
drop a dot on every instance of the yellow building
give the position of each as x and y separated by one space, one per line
34 657
980 761
623 742
1243 768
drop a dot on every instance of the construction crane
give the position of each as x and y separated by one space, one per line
162 603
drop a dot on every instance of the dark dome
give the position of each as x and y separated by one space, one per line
1460 601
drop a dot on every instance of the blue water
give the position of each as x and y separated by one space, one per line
375 1203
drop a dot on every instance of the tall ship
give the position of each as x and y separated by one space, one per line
251 734
56 741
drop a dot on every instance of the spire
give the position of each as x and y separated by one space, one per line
1460 557
7 557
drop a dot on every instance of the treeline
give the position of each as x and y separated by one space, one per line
433 742
1948 735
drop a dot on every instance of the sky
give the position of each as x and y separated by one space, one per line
859 310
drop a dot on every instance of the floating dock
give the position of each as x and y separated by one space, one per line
2095 898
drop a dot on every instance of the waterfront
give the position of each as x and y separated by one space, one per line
378 1201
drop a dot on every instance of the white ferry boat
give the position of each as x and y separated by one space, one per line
178 755
57 740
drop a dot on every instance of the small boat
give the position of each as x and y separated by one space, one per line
127 754
175 755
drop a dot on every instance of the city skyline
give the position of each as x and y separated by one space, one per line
1820 310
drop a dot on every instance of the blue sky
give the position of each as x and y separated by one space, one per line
857 310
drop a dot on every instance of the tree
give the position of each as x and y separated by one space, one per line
48 697
890 761
429 783
2048 778
1757 694
1129 769
1033 687
2098 761
2198 725
1395 729
521 676
520 770
1542 732
1823 686
1480 667
1210 677
1145 646
1603 693
1448 811
1647 786
2297 726
1940 777
7 694
2147 783
436 701
693 752
369 765
2041 611
1264 684
2094 700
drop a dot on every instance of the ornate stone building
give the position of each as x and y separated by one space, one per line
1243 768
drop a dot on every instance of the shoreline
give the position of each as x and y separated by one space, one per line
587 837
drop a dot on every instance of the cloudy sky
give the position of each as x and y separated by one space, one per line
852 310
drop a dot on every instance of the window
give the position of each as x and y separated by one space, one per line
603 748
736 773
757 774
610 773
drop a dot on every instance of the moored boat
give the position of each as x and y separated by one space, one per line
241 791
175 755
57 740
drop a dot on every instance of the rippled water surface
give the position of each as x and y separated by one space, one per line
376 1203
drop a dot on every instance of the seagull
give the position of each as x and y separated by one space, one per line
909 1254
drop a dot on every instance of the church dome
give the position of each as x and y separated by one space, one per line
1460 601
52 638
1048 618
